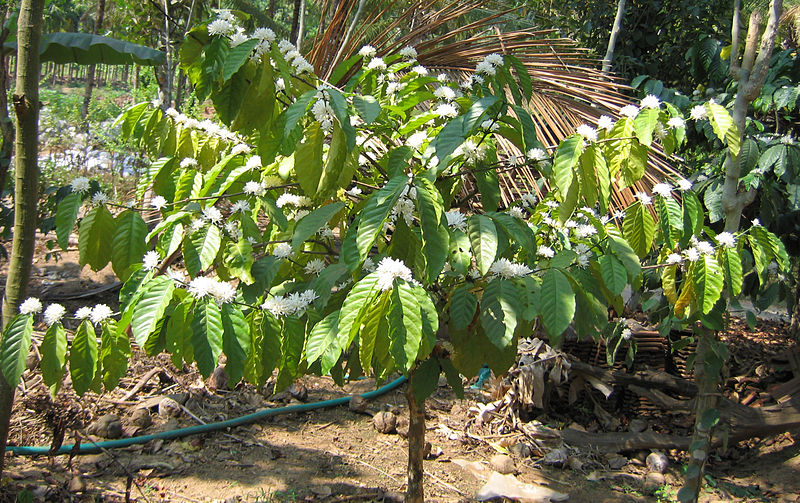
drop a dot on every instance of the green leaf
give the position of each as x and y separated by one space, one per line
463 304
367 107
453 377
66 214
311 223
15 347
670 219
435 236
237 57
645 123
639 228
723 126
732 264
623 251
150 308
206 335
177 337
566 158
614 274
83 358
375 214
323 337
499 311
128 243
54 357
368 335
339 105
405 326
308 159
293 340
115 351
557 301
94 245
489 188
482 234
425 379
296 111
358 301
200 248
235 341
239 260
88 49
456 130
265 346
708 282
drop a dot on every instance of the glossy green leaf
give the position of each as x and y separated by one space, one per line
557 303
54 357
66 215
206 335
83 358
463 304
482 234
566 158
150 308
94 243
235 341
708 281
499 311
200 248
405 325
15 347
128 243
313 222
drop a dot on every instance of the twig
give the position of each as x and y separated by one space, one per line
139 385
444 484
373 467
117 461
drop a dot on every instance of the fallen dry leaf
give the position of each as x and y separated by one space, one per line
507 486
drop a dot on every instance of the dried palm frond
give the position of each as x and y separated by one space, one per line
568 87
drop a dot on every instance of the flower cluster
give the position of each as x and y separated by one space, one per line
323 112
507 269
388 269
456 220
489 64
203 286
292 304
294 58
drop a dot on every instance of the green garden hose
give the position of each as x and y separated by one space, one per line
95 447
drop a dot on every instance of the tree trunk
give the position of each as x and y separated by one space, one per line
26 108
612 39
271 11
87 97
750 73
301 24
707 392
295 20
350 30
6 126
415 492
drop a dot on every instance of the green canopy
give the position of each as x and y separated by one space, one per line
88 49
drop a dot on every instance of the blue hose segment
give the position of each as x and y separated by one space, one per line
483 375
93 448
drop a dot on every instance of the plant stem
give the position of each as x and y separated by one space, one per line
415 493
26 184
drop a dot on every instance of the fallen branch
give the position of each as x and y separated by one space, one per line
139 385
644 378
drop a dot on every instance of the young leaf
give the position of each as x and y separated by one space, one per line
150 308
206 335
66 214
15 347
566 158
499 311
200 248
708 282
83 357
54 357
639 228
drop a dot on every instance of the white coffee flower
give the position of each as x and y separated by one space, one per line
99 197
240 206
278 306
676 122
367 51
726 239
705 248
588 132
445 93
389 269
265 34
485 68
377 64
254 189
546 252
282 250
212 214
314 266
662 189
80 184
756 222
537 154
629 111
220 27
368 266
446 110
201 286
31 305
605 122
83 312
416 140
644 198
692 254
238 38
507 269
626 334
674 258
100 312
420 70
158 202
292 200
150 260
698 112
408 52
585 230
188 162
254 162
684 185
517 212
223 291
53 314
456 220
651 101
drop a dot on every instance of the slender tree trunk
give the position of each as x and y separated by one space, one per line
350 29
6 126
750 72
26 108
271 11
166 98
295 20
612 39
90 76
301 24
415 493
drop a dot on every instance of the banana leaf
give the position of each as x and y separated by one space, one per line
88 49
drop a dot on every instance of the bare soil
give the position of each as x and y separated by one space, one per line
332 455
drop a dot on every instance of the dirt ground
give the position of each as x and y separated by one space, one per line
335 454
